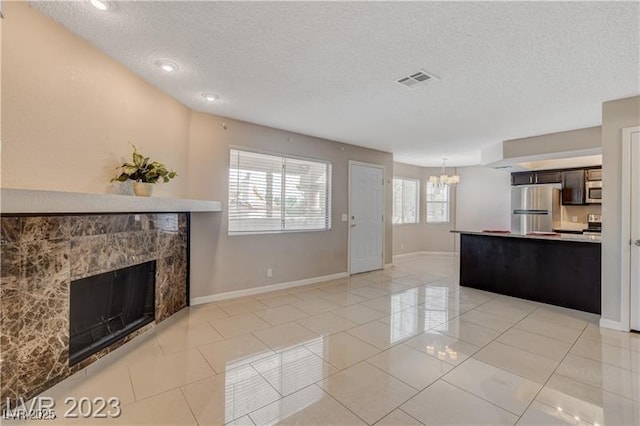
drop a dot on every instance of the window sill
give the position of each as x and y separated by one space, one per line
293 231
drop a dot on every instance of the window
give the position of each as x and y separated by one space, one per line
273 193
437 203
405 200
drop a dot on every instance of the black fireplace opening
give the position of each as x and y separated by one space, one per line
107 307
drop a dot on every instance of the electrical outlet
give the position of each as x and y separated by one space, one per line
269 272
345 217
574 219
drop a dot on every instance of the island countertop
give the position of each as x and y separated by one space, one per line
557 237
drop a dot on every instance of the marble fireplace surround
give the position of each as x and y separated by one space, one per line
42 254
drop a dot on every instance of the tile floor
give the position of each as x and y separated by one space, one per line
403 346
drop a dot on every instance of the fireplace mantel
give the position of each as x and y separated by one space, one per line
27 201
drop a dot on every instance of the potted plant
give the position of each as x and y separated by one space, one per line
144 173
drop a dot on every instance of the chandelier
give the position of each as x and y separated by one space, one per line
444 178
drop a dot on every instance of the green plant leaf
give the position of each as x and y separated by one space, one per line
143 169
137 159
129 169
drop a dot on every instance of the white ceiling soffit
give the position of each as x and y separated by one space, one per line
563 163
505 70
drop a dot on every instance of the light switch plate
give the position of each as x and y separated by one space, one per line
345 217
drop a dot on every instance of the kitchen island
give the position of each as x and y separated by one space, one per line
562 270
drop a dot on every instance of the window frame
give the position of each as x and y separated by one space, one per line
417 219
329 192
447 203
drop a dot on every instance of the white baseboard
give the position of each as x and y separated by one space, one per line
614 325
422 253
264 289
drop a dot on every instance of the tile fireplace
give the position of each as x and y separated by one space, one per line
48 259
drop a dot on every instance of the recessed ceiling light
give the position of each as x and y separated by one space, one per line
210 97
101 4
167 66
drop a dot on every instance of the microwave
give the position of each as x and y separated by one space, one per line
593 192
594 175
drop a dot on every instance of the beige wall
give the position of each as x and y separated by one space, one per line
484 199
554 143
70 111
572 143
222 263
616 115
411 238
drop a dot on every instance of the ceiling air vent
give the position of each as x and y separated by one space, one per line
416 79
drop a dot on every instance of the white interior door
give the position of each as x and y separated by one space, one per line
366 217
634 270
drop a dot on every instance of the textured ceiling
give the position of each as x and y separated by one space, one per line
507 70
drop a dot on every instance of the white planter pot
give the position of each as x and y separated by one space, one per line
142 189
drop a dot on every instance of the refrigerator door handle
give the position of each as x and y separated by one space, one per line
534 212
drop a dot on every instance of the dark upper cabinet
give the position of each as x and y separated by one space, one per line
523 178
533 178
549 176
573 187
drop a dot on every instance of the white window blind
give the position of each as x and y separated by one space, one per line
405 200
272 193
437 203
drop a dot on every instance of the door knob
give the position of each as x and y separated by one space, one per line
637 242
353 224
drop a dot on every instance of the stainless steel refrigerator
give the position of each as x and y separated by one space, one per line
535 208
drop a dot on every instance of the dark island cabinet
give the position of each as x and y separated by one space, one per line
561 273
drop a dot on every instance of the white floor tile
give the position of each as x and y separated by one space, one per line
158 375
367 391
238 325
548 329
398 418
293 369
468 332
285 336
504 389
342 350
535 344
359 314
229 396
443 347
410 365
517 361
326 324
234 352
309 406
445 404
590 404
281 314
543 415
594 373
